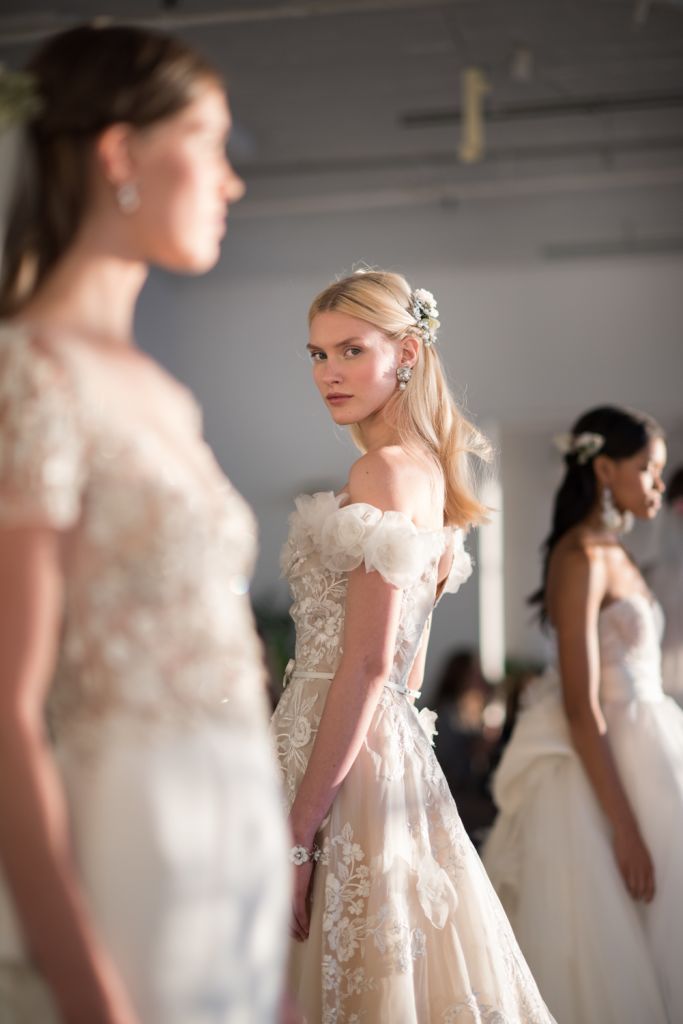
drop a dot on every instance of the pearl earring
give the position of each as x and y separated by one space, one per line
128 197
404 373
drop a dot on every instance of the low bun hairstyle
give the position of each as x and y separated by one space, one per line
425 415
87 79
626 432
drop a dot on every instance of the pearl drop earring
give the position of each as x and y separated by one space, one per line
128 197
404 373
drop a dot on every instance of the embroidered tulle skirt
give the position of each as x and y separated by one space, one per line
405 926
598 956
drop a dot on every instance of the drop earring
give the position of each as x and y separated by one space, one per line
612 518
128 197
403 373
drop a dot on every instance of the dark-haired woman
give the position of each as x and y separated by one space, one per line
586 853
144 868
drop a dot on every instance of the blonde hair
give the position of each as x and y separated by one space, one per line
425 415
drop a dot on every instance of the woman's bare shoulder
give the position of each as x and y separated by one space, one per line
392 479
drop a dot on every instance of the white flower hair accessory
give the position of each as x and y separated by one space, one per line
423 309
584 446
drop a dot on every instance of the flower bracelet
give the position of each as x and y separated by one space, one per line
300 855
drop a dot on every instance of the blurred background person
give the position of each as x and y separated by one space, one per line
666 580
468 726
143 851
586 851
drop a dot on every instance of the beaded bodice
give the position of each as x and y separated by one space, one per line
630 632
157 546
629 635
327 539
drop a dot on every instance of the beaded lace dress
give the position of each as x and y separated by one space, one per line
597 955
405 926
156 712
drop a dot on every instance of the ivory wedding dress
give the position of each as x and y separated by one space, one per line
598 956
156 712
405 926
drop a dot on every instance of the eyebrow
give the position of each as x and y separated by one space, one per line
338 344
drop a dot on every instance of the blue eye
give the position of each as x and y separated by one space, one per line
353 351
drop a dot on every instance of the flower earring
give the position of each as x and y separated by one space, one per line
612 518
128 197
404 373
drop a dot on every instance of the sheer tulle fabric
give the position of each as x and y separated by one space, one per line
550 853
156 709
405 926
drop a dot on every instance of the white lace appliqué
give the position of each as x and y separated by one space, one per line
157 621
387 889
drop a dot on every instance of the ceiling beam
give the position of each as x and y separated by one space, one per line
18 31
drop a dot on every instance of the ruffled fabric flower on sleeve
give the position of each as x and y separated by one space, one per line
42 465
461 566
387 542
305 526
346 534
399 551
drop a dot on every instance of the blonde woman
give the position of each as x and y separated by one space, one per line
393 916
144 877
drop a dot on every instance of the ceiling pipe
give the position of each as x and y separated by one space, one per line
450 194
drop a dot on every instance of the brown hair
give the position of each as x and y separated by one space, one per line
87 79
425 415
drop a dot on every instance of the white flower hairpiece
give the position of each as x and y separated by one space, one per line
19 99
584 446
423 309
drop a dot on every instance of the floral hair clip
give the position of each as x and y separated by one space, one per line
423 309
584 446
19 99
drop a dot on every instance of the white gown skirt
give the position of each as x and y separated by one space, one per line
181 847
405 927
598 956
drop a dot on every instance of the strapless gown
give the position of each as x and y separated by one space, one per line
598 956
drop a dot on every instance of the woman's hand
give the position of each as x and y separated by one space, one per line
303 873
635 863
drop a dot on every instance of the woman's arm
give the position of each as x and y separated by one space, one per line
578 591
34 844
371 620
371 623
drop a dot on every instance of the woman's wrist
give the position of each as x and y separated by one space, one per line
624 825
300 854
303 832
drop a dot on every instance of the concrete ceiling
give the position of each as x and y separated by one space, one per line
343 104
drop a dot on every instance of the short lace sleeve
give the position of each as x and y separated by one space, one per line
387 542
461 566
41 446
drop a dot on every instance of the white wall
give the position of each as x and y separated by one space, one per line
531 470
529 343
